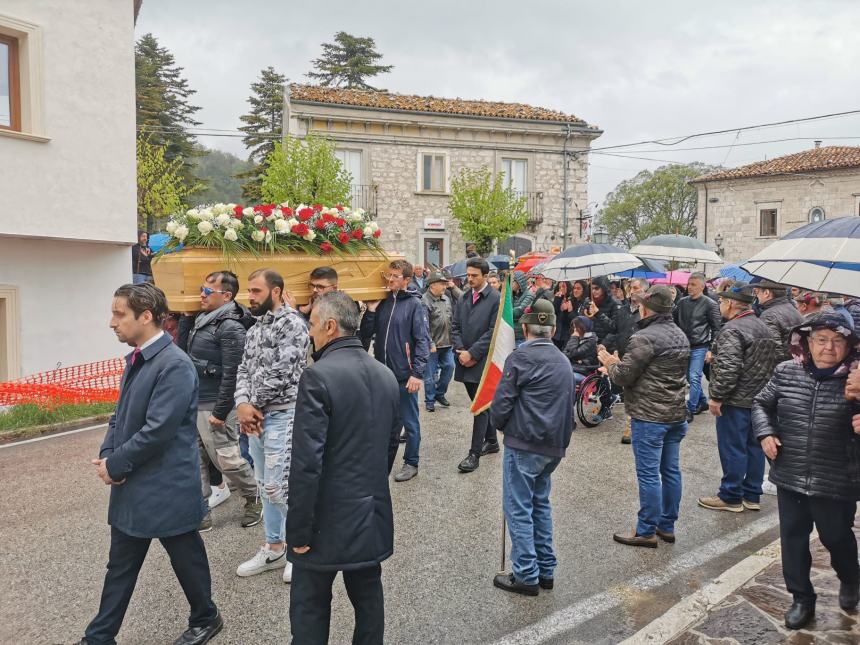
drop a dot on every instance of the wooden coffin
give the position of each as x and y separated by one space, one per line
181 274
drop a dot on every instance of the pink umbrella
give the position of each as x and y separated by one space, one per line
675 278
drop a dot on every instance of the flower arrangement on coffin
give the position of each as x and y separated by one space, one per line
274 228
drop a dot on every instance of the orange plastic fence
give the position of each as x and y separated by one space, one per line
90 383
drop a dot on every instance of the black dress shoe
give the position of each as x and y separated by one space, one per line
849 596
469 464
490 448
546 583
430 406
798 615
507 582
200 635
441 400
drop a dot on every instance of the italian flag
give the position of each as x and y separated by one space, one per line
503 343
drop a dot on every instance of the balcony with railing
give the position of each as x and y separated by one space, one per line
363 196
534 206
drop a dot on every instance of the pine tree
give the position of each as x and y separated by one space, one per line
348 62
164 112
263 127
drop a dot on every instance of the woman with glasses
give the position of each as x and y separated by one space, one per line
804 424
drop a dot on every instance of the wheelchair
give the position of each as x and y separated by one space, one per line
594 399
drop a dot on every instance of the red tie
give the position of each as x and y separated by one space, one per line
475 296
134 355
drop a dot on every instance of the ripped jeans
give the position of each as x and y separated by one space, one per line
271 454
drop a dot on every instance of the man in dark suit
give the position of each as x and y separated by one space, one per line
150 460
345 440
471 334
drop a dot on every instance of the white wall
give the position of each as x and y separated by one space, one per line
81 184
65 291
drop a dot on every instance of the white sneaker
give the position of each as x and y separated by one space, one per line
768 488
288 572
220 494
264 560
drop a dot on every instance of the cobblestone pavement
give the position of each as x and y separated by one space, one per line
753 615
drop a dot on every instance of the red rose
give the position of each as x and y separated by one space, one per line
305 214
264 230
328 217
341 222
319 225
300 229
267 210
325 247
377 233
339 207
286 210
258 208
237 211
318 207
357 234
343 238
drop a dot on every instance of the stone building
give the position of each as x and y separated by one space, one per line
744 209
403 151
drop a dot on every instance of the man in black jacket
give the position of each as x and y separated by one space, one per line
778 313
533 408
744 357
344 444
215 344
699 318
471 334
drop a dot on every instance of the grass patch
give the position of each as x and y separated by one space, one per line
30 415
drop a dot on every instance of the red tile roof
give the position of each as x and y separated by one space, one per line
826 158
412 103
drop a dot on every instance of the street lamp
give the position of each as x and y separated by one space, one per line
600 235
718 240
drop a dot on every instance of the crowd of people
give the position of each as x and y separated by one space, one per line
289 406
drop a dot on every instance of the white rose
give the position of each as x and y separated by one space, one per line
359 211
310 236
258 236
281 226
368 231
193 213
205 227
284 204
230 235
207 214
181 232
373 225
354 217
171 227
258 219
292 222
230 207
248 212
235 223
223 219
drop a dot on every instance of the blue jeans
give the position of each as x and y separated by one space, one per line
243 448
409 414
694 376
741 456
525 499
578 378
442 361
271 453
656 449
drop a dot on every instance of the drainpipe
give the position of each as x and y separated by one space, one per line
706 211
564 216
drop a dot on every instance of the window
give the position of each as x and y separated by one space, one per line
767 222
434 251
516 173
10 93
432 173
816 214
351 162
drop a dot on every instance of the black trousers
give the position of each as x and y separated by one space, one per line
310 605
481 430
190 564
834 520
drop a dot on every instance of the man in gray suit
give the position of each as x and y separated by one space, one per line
150 460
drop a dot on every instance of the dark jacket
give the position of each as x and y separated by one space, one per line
140 262
472 330
627 320
653 372
439 316
401 332
853 307
216 351
345 439
151 442
520 300
533 403
563 319
781 316
699 319
582 352
744 356
820 454
605 321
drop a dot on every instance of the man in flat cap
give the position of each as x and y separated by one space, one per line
778 312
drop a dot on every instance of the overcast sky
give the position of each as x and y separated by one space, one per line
638 70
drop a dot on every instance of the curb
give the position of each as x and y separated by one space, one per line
22 434
696 606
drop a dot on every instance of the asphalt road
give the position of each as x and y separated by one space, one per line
438 584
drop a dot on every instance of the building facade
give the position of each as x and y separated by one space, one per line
743 210
68 180
403 151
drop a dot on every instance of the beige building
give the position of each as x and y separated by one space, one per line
403 151
744 209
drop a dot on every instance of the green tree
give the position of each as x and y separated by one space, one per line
218 170
306 172
161 187
485 208
348 61
164 111
263 126
653 203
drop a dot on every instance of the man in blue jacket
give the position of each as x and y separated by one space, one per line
402 343
533 409
150 460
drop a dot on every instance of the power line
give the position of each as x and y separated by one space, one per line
749 143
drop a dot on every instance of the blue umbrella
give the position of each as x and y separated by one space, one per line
735 272
589 261
458 269
503 262
650 269
157 241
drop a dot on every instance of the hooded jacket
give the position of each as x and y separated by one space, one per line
582 352
401 334
781 316
744 356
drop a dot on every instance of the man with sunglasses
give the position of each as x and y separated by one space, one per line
215 342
